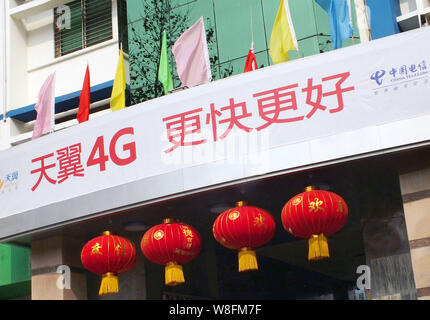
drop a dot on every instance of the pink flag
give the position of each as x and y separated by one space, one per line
45 108
192 56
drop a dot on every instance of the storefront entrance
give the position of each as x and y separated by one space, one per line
374 236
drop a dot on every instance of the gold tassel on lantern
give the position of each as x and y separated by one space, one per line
318 247
174 274
247 260
109 284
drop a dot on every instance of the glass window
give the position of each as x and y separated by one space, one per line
90 23
122 24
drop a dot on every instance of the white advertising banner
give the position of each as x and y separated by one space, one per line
240 120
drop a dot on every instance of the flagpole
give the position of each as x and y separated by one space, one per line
350 19
367 20
158 64
252 26
53 106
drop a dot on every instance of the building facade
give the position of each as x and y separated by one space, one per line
41 40
133 175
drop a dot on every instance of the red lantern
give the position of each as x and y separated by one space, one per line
108 255
313 215
244 228
171 244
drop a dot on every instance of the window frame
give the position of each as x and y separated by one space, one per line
58 39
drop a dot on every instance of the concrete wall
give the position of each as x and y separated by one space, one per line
415 186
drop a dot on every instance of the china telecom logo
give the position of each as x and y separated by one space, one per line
399 77
377 76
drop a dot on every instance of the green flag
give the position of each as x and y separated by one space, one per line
164 75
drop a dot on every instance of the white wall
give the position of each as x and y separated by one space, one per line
2 57
16 40
3 126
40 39
70 69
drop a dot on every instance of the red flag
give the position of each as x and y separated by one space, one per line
84 99
251 62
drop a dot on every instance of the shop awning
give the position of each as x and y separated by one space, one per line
64 103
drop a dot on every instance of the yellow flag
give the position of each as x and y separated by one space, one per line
117 100
283 36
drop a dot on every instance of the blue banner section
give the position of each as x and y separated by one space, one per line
383 14
340 26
